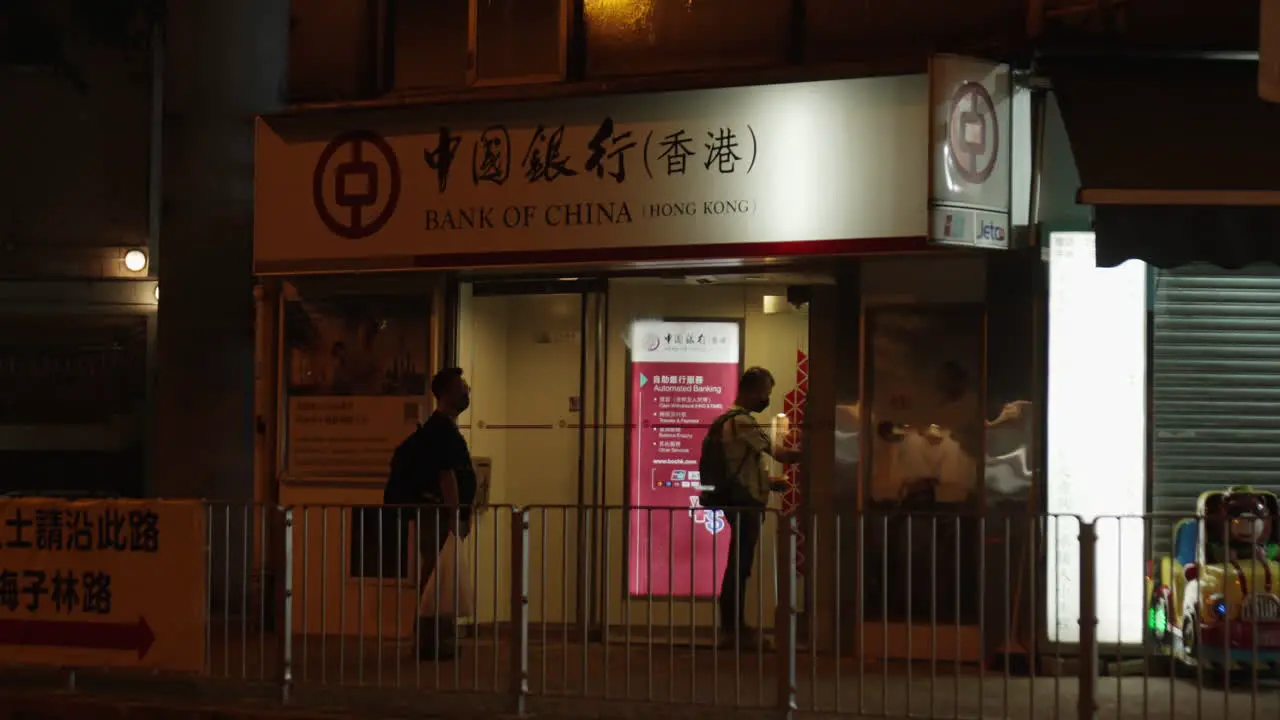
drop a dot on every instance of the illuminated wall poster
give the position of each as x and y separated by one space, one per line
683 376
1096 436
356 375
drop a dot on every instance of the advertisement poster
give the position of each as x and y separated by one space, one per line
357 376
683 376
348 435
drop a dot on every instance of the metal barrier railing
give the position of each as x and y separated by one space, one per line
246 615
1201 637
871 614
614 622
360 584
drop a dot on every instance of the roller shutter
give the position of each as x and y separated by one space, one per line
1215 375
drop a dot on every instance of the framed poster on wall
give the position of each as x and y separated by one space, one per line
356 382
682 376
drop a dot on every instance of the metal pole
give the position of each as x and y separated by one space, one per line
155 214
519 610
784 626
284 607
1087 701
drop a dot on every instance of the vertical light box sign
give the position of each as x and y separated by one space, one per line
1096 436
683 376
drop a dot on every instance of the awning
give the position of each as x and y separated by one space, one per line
1180 159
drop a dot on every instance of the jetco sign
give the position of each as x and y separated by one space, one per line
969 165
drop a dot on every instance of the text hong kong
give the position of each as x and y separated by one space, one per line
49 531
498 156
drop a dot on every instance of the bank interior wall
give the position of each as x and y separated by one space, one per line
522 355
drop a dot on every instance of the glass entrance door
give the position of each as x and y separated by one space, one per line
527 349
923 483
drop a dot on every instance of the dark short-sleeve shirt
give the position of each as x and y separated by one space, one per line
417 463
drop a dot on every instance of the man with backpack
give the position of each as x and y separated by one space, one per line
735 477
433 468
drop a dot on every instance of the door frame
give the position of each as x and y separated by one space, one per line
592 295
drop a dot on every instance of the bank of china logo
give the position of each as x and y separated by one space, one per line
973 133
356 184
713 521
652 342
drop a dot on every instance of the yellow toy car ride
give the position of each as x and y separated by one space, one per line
1213 602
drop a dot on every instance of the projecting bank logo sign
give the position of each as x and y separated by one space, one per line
969 193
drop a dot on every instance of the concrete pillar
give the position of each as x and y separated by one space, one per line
225 62
835 355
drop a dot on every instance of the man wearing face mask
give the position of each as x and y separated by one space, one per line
747 448
432 467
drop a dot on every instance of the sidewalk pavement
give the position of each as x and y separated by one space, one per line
596 681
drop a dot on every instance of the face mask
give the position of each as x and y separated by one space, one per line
759 405
464 402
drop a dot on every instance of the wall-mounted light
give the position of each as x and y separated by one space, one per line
157 293
135 261
774 304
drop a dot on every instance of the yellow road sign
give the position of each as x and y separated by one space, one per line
103 583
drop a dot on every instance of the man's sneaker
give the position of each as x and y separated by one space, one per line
744 639
435 641
433 654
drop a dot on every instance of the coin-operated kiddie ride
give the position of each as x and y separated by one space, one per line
1213 601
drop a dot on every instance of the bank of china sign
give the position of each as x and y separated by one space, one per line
970 146
835 160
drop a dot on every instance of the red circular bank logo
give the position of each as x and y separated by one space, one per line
356 184
973 133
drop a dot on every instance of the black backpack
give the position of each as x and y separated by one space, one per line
404 481
720 487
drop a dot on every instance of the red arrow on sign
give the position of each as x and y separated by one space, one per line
136 636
